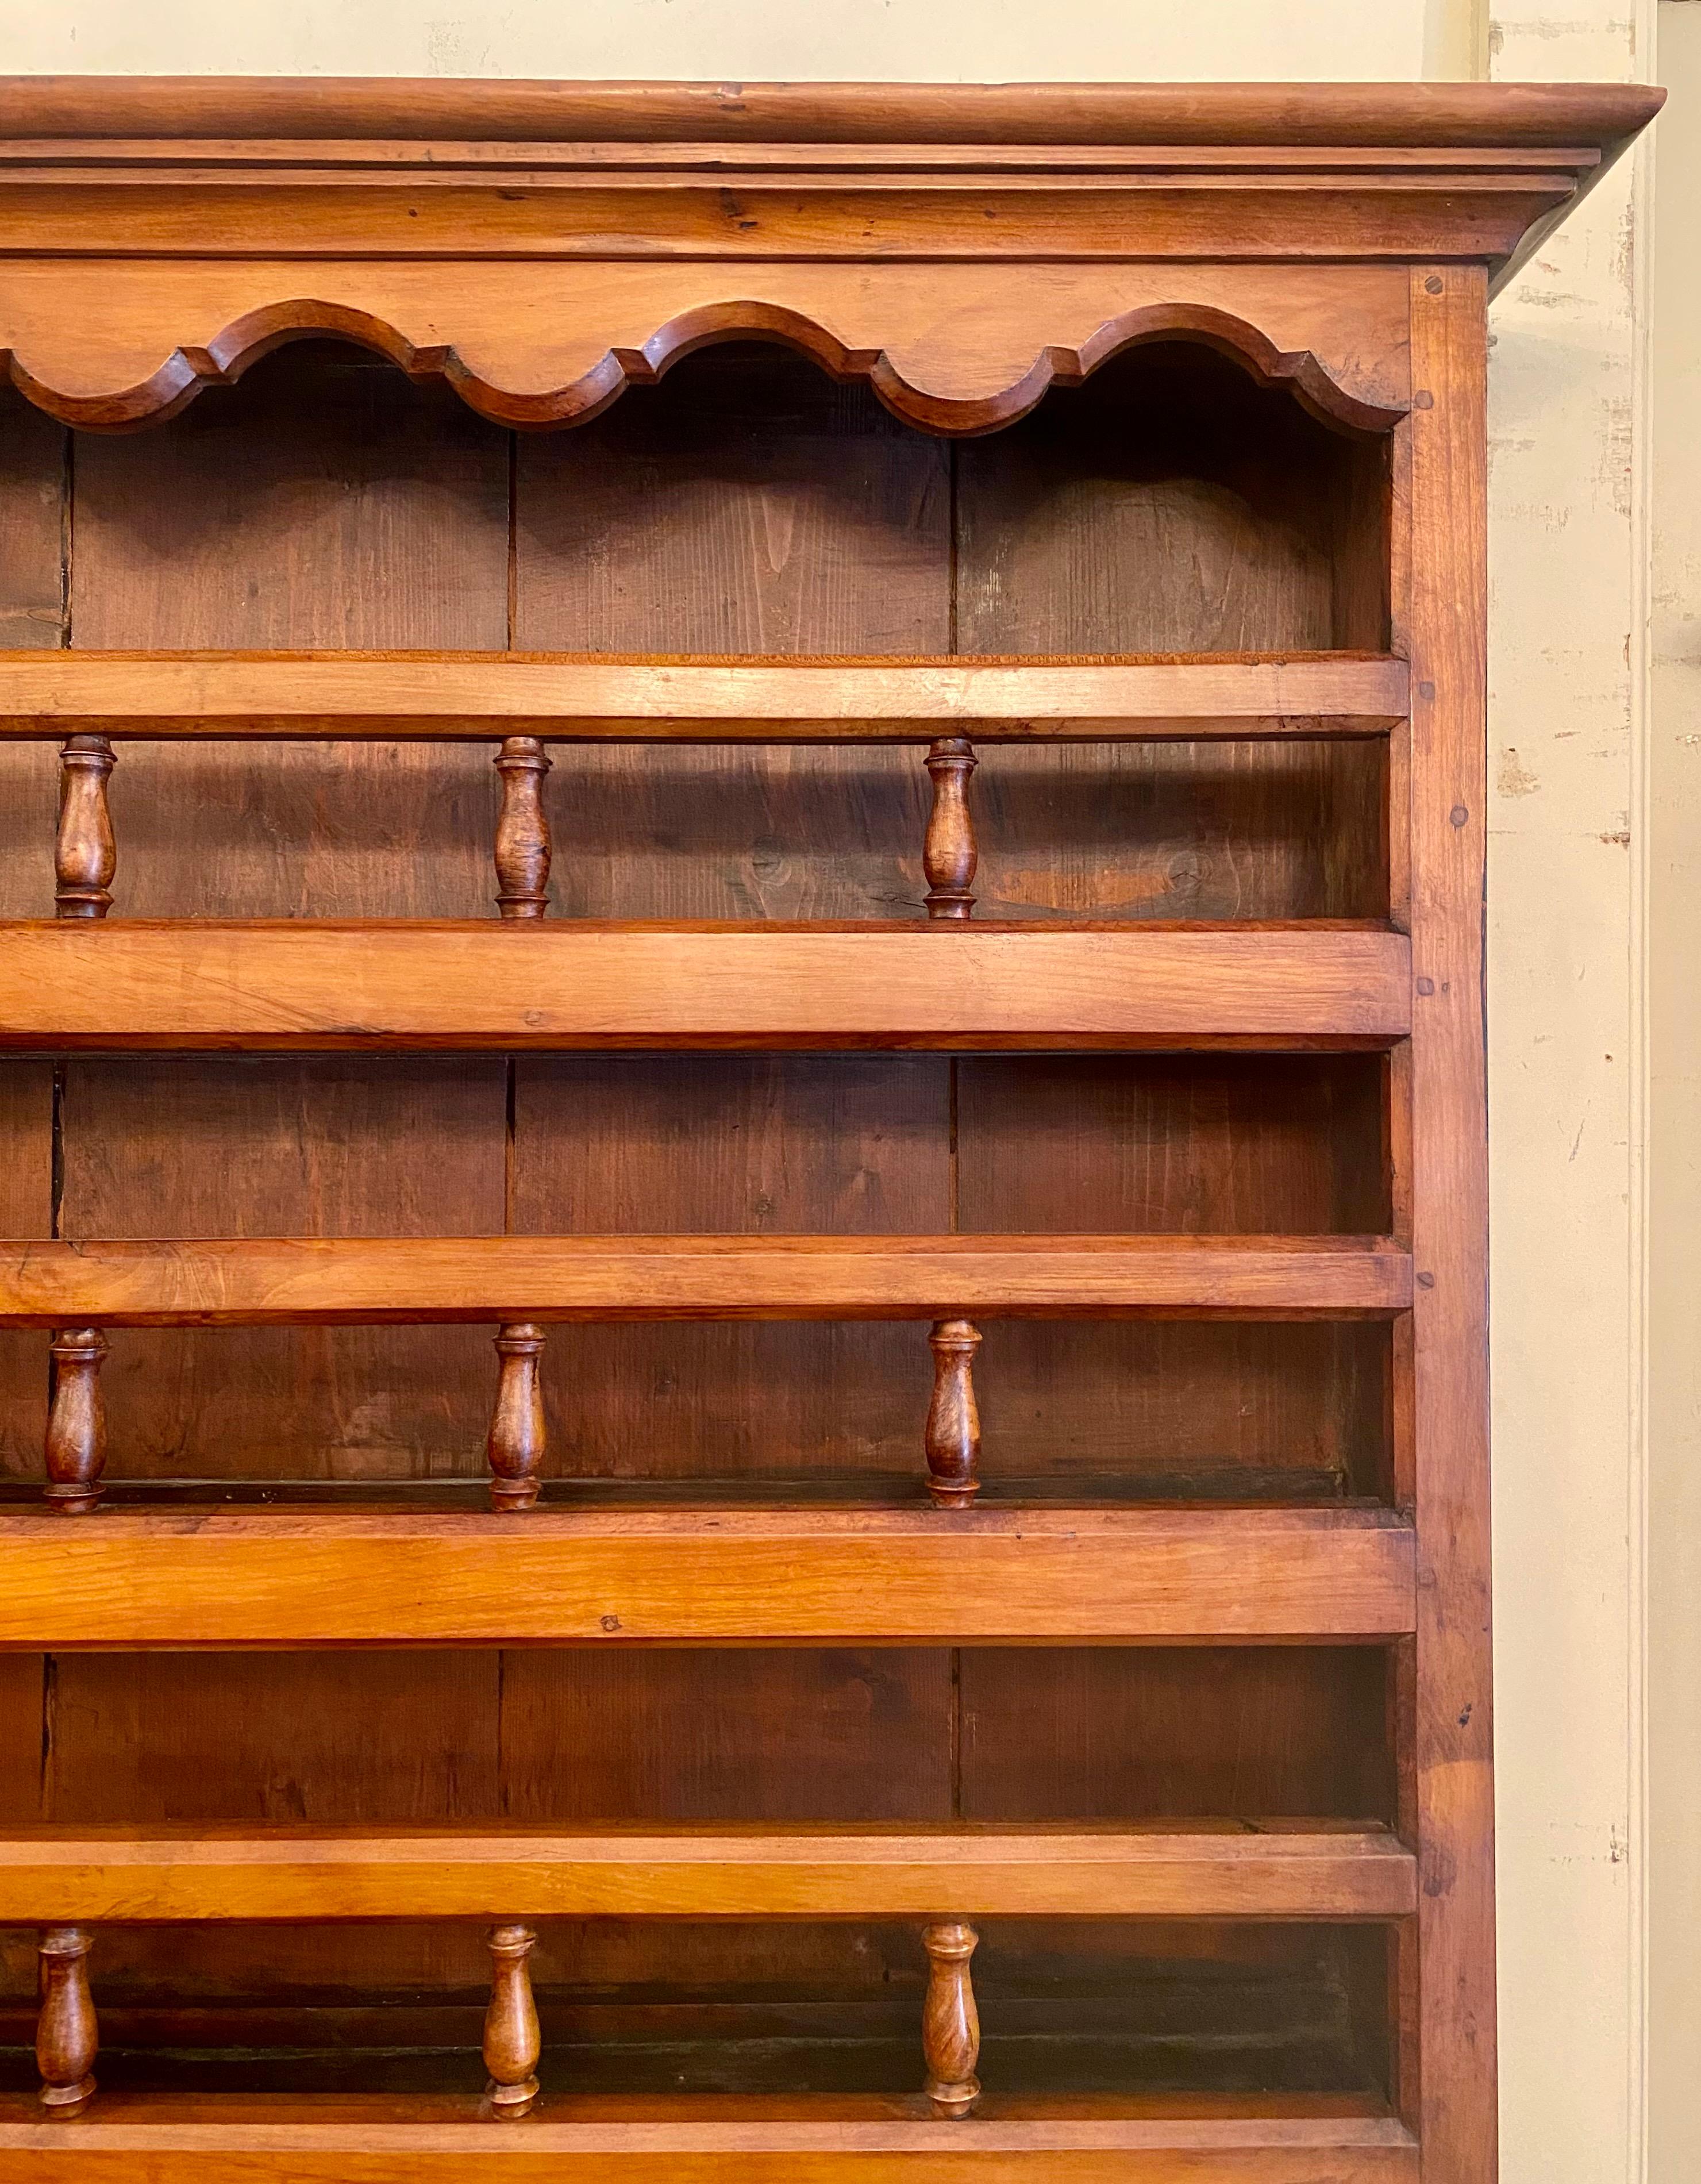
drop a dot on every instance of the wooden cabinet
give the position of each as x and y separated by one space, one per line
752 1448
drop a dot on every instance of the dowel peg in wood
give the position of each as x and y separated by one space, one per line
950 2023
522 829
512 2041
67 2034
516 1446
949 855
952 1439
76 1423
85 851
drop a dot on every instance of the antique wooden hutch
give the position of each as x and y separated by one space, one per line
983 589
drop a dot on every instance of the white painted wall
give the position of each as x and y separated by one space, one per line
1571 864
950 40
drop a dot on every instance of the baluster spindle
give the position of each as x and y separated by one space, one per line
522 829
516 1446
512 2041
950 2023
85 851
949 856
76 1423
67 2034
952 1439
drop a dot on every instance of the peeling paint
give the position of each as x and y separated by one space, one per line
1513 777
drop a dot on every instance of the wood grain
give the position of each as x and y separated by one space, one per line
328 1578
475 697
141 2139
1451 1751
305 1281
1232 1869
259 984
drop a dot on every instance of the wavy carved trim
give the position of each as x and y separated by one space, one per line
256 333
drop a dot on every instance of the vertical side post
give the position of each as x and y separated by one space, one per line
949 855
522 829
952 1439
516 1446
76 1423
950 2022
1451 1756
512 2041
85 849
67 2034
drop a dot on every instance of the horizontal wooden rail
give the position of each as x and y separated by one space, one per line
221 1578
291 985
308 1281
1225 1869
475 696
163 2138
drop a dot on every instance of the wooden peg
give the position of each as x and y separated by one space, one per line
512 2041
86 852
953 1419
949 856
67 2035
516 1446
950 2023
76 1423
522 829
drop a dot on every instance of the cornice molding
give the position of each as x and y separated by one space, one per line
963 247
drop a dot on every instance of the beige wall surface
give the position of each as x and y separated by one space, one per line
1574 869
951 41
1674 1570
1568 1065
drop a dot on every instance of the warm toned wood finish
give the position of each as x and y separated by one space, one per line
329 1577
515 1448
522 829
471 697
1191 538
1225 1869
1450 1727
950 2023
788 210
86 852
952 1439
948 857
354 2139
67 2035
304 1281
288 985
512 2040
76 1424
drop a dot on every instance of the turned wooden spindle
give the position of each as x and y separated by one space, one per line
86 852
76 1423
512 2041
522 829
516 1446
952 1439
949 856
67 2035
950 2023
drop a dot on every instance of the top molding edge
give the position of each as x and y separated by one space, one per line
94 108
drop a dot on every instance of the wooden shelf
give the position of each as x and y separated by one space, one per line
470 697
290 984
310 1281
1205 1869
214 1577
139 2138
